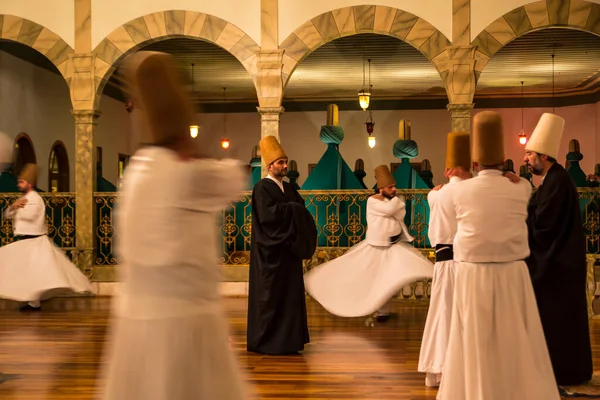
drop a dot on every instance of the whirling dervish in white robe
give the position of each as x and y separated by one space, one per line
496 349
442 228
169 333
33 268
365 278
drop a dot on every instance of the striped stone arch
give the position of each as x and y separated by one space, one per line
361 19
38 38
573 14
167 25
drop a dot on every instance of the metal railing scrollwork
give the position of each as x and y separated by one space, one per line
60 218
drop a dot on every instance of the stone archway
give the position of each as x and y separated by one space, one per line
171 24
38 38
572 14
361 19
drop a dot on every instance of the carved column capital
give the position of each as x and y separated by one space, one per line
268 78
460 115
270 113
269 126
86 116
456 66
82 81
460 110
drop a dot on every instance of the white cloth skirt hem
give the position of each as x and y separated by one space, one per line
496 348
437 326
171 358
36 269
366 277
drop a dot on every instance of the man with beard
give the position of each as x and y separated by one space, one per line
370 273
283 234
557 263
34 268
496 348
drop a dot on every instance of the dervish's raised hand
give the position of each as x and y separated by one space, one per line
20 203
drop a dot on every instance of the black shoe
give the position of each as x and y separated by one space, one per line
28 308
383 318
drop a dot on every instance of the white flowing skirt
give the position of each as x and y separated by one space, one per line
366 277
168 358
497 349
437 326
36 269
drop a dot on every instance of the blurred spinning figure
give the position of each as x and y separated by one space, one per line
33 268
169 338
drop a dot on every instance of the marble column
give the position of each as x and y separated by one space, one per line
460 115
85 185
456 66
269 126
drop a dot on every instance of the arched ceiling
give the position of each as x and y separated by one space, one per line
529 59
334 72
214 69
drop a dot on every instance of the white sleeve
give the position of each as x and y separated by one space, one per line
527 189
401 210
9 212
432 196
389 208
33 208
211 184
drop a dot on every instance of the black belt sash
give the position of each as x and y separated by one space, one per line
395 239
24 237
444 252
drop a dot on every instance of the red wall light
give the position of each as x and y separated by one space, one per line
522 138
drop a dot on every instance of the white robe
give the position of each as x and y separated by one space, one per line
442 228
36 269
362 280
496 349
170 335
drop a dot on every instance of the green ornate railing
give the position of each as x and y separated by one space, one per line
340 217
589 201
104 234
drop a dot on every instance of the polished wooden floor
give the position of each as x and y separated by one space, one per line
55 354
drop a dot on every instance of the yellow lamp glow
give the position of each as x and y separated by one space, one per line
194 131
522 138
363 99
372 141
225 143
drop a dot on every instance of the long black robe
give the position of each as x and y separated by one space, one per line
283 234
557 265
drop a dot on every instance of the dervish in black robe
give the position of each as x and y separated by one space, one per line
283 234
558 269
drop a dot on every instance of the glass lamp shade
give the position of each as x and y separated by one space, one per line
372 141
225 143
522 138
363 99
194 131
